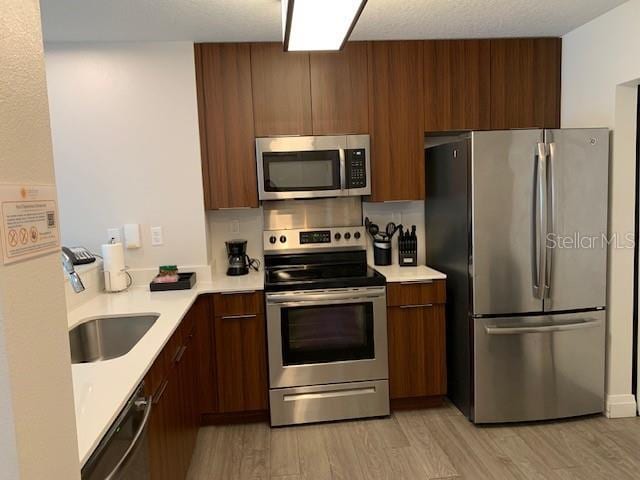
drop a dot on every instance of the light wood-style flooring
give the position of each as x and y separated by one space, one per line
423 444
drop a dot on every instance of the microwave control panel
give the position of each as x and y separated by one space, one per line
356 165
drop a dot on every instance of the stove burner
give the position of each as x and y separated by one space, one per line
319 271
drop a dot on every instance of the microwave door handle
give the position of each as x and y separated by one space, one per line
343 171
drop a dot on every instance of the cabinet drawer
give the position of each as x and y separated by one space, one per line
416 293
226 304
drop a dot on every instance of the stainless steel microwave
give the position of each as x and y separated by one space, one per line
311 167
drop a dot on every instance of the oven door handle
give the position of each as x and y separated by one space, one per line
345 301
322 298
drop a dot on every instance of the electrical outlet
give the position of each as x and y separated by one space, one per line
156 236
114 235
235 226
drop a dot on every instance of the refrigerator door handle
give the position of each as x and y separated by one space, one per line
551 225
495 330
538 251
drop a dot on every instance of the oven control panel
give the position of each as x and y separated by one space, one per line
334 238
315 236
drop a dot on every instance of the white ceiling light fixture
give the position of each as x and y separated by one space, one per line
318 25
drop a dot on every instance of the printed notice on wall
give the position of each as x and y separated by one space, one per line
29 224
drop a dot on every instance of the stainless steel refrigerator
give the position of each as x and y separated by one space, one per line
517 219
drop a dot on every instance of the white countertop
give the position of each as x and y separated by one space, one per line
396 273
101 389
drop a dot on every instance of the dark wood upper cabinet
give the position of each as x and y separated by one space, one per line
457 85
281 91
227 139
396 120
525 83
339 90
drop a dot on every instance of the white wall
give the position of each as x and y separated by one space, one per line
37 421
126 147
599 60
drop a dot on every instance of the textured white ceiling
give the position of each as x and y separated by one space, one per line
259 20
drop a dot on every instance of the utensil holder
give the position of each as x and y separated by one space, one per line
382 252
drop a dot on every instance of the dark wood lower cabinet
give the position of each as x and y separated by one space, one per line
214 367
172 383
417 354
241 363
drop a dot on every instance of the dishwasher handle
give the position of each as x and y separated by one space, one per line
140 404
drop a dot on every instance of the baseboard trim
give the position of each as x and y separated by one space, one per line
234 417
621 406
412 403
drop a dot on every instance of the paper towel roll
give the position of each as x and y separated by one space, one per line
115 278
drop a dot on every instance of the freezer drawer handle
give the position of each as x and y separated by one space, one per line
146 403
329 394
495 330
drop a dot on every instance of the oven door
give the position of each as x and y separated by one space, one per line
323 337
301 167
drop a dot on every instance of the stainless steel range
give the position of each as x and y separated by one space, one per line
326 327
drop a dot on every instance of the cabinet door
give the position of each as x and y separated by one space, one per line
417 360
457 85
525 83
241 362
223 74
281 91
206 390
396 120
339 90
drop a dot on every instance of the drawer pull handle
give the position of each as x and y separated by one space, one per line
239 317
181 353
158 395
239 292
416 282
329 394
424 305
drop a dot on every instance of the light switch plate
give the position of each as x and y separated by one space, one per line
114 234
156 236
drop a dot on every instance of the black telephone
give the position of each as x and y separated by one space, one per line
79 255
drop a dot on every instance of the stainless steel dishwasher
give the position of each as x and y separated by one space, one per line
123 453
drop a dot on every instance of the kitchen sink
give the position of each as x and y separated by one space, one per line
105 338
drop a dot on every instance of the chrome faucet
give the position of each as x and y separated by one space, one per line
74 278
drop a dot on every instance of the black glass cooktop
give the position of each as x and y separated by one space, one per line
319 271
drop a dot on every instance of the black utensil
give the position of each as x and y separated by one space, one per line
390 229
372 228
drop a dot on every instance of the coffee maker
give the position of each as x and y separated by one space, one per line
239 261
